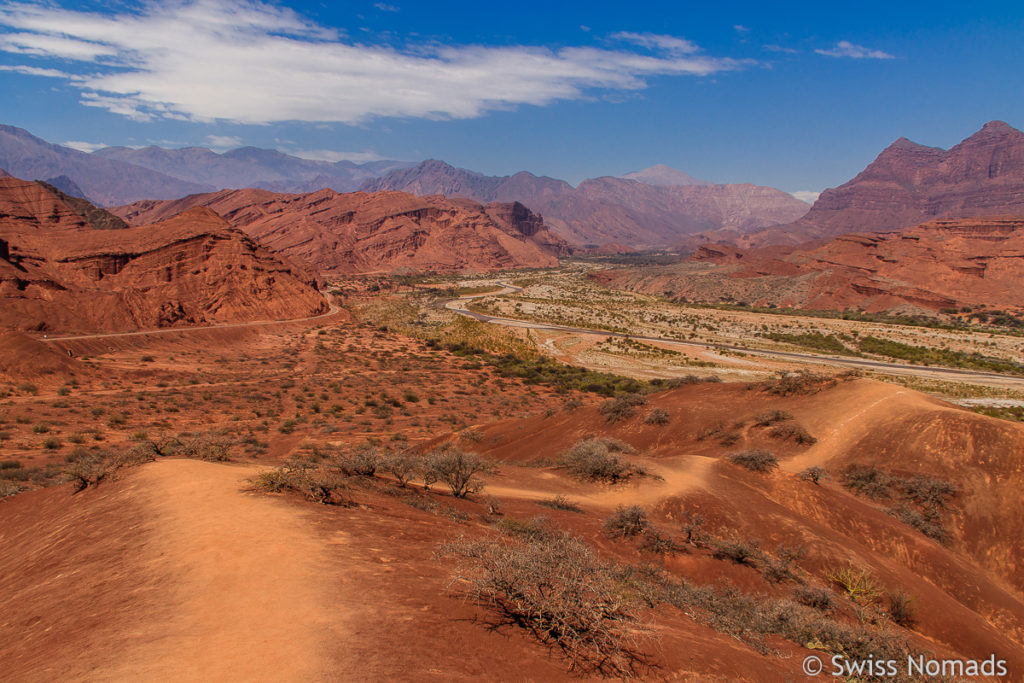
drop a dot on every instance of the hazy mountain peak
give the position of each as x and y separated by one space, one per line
660 174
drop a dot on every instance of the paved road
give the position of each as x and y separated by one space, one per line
459 306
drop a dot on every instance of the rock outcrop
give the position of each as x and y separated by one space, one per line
941 264
378 232
58 272
909 183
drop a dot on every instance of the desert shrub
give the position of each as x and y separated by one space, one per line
8 488
929 492
781 566
402 466
558 590
900 608
535 529
560 502
658 543
800 382
361 462
740 552
458 469
595 459
814 474
858 584
211 446
867 481
88 468
817 598
628 520
658 416
793 432
772 417
52 443
929 524
320 483
9 465
622 407
754 460
921 499
693 527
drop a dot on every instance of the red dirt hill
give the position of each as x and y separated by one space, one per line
944 263
59 273
382 231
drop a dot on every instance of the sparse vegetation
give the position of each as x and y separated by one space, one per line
560 591
458 469
560 502
597 459
754 460
658 416
920 500
628 520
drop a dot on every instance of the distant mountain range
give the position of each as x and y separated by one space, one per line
652 207
627 210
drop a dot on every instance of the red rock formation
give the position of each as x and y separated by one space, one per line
909 184
940 264
59 273
383 231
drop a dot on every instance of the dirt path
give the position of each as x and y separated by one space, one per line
251 585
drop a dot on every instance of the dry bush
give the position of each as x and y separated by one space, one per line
622 407
89 468
772 417
361 462
754 460
457 468
814 474
595 459
402 466
659 543
560 502
921 499
858 584
211 446
740 552
800 382
628 520
793 432
320 483
558 590
536 529
817 598
901 608
658 416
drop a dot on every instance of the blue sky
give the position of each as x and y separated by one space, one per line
796 95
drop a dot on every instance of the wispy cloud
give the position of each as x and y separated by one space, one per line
334 157
740 28
809 196
223 142
34 71
670 44
249 62
845 48
781 48
385 7
85 146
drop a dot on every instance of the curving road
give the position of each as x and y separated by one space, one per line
459 306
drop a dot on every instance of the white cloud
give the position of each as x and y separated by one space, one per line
780 48
223 142
845 48
85 146
670 44
334 157
34 71
740 28
809 196
384 7
248 62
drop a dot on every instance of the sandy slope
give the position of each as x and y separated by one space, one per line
214 584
